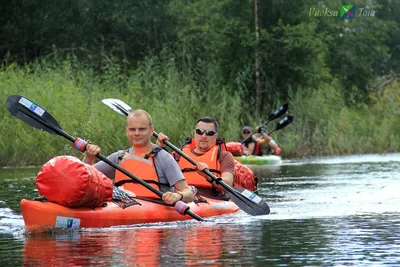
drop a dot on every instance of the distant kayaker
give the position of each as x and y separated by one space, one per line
205 149
144 160
259 144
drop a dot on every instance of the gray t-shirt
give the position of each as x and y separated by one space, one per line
167 168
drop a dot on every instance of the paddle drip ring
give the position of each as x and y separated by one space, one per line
182 207
80 144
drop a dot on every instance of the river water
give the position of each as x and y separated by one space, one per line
325 211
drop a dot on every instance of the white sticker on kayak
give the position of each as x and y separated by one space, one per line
66 222
221 205
251 195
32 106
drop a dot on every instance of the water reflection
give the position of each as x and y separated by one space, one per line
341 211
210 245
352 240
16 184
321 190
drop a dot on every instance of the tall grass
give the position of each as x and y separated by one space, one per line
72 94
325 126
176 97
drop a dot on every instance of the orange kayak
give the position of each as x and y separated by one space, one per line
43 216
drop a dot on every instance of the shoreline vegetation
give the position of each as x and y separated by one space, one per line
71 92
179 60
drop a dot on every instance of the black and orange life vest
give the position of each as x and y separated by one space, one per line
211 158
257 145
143 167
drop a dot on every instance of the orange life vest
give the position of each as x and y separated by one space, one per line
211 158
143 167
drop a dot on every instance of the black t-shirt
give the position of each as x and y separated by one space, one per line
248 141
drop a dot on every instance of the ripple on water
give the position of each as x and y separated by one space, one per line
10 223
392 157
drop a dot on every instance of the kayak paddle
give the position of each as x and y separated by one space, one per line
36 116
246 200
274 115
283 123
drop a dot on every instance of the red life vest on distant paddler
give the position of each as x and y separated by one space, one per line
257 148
143 167
211 158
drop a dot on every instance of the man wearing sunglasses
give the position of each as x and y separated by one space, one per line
208 151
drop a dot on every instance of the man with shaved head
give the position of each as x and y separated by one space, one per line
145 160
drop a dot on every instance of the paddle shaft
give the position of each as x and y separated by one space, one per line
246 200
274 115
106 160
238 198
251 134
206 171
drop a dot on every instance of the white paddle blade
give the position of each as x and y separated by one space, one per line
118 105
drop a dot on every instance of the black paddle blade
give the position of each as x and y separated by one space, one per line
283 123
118 105
246 200
279 112
249 202
31 113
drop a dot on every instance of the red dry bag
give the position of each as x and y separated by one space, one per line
68 181
244 177
235 148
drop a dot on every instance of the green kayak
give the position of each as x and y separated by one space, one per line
260 160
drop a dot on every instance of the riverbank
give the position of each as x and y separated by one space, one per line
72 94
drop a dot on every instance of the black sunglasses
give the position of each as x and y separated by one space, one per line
246 132
208 132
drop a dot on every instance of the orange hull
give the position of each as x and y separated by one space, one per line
42 216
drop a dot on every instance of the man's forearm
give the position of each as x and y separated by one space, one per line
88 160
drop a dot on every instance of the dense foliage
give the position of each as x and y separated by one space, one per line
183 59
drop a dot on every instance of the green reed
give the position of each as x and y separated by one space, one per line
325 125
176 97
72 94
